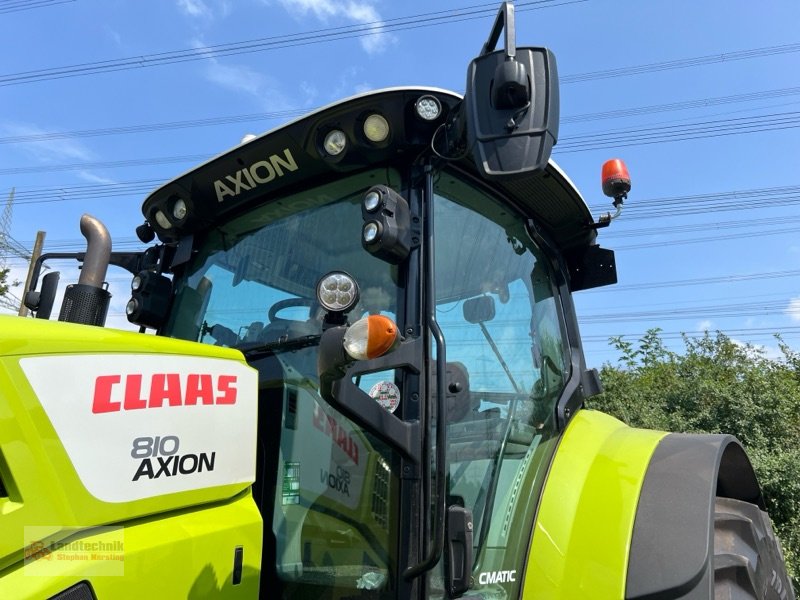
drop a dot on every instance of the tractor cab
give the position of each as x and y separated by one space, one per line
342 463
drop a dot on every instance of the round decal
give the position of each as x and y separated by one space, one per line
387 394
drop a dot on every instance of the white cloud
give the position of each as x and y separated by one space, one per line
237 78
87 176
194 8
47 151
114 36
348 84
770 352
362 12
793 309
310 93
377 42
204 9
244 80
705 325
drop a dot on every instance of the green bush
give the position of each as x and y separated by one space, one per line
719 386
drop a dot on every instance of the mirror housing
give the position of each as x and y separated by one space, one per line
511 105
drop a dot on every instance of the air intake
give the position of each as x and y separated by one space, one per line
80 591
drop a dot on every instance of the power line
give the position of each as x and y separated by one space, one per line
705 227
706 239
114 164
672 335
66 193
718 311
678 133
738 200
704 281
19 5
373 28
676 106
287 114
578 143
274 42
683 63
125 129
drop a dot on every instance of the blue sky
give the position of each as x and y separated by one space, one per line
727 262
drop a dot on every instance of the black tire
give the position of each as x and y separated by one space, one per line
748 562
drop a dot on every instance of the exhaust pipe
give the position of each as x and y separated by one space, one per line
87 301
98 252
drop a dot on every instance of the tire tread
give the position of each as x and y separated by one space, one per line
748 562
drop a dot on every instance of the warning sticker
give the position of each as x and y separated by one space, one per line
387 394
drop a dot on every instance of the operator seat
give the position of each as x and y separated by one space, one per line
281 328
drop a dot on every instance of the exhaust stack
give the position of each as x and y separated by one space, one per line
87 301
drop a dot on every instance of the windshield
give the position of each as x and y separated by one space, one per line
254 279
501 318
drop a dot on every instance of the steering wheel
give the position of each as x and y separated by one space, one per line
280 305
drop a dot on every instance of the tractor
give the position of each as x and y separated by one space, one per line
358 375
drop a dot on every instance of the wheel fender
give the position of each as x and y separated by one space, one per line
584 523
672 547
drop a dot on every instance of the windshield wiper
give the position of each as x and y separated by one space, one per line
499 356
257 349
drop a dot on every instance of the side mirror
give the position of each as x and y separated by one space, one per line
42 301
48 295
511 105
479 310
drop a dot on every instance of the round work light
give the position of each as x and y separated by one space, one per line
335 142
376 128
179 209
428 108
337 292
370 231
372 200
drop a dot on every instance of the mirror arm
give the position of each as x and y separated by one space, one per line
505 17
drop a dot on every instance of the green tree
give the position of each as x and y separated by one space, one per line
719 386
3 281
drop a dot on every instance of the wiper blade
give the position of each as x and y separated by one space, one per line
256 349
